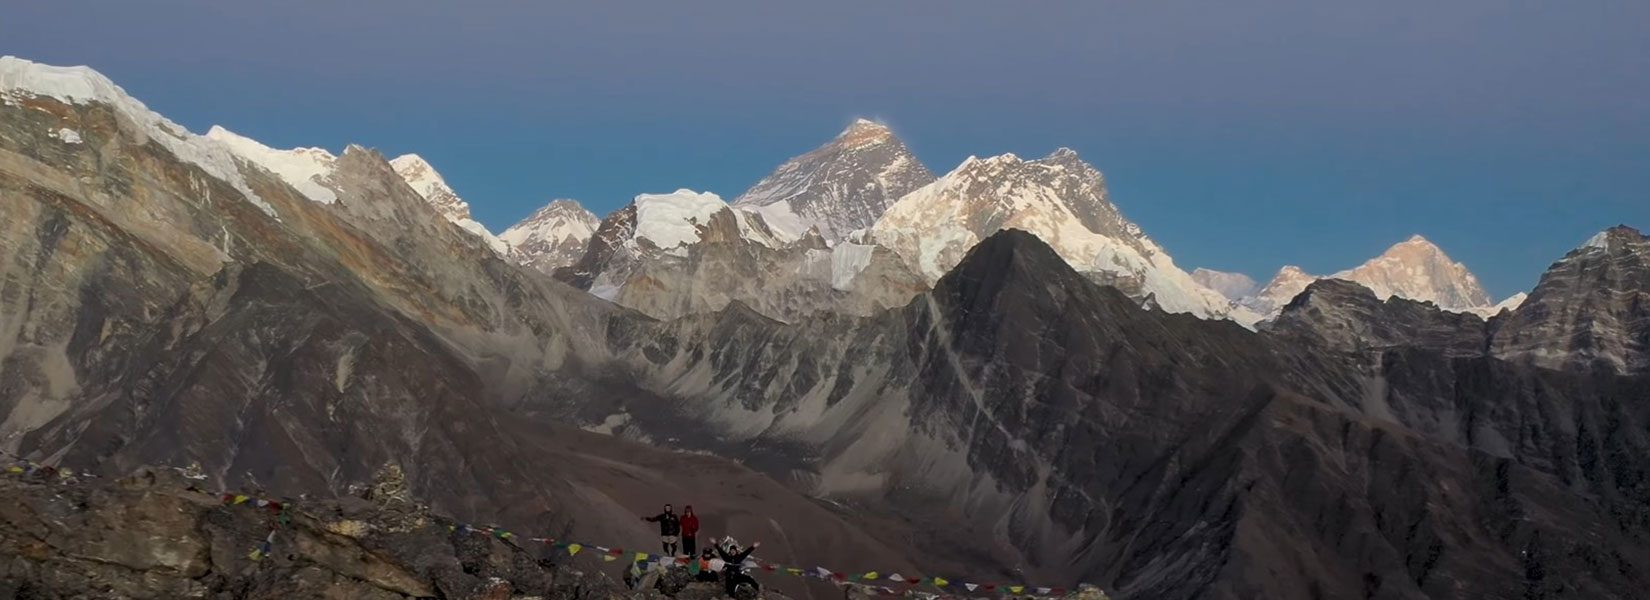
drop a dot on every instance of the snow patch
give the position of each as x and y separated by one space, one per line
782 220
1601 241
66 135
848 260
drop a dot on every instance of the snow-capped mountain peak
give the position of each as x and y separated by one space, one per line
1603 240
841 186
425 180
1415 269
422 177
1289 282
1419 270
1061 200
553 236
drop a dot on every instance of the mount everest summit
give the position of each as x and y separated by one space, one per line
996 402
840 187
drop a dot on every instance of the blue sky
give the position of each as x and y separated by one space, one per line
1242 136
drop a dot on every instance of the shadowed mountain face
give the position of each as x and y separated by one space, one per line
1016 421
1170 457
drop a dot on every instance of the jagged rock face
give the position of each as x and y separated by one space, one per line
1234 286
552 237
1591 309
837 188
1059 198
680 254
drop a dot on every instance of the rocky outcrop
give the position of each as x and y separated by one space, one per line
157 535
1348 317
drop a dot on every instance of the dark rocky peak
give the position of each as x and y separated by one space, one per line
1345 316
1010 262
1590 310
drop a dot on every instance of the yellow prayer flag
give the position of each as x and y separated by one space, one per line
940 582
1016 588
573 549
872 576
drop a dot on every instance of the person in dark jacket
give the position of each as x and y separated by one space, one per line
733 568
705 572
669 528
690 531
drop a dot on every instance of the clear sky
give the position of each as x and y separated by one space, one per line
1240 135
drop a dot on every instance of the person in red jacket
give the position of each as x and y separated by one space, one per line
690 530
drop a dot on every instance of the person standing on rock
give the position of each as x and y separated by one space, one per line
669 527
690 531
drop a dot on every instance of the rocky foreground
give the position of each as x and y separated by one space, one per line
155 535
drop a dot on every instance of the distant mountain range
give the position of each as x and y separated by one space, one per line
994 373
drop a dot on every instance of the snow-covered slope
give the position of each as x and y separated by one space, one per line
1233 286
21 80
839 187
425 180
305 169
552 237
1415 269
1060 199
